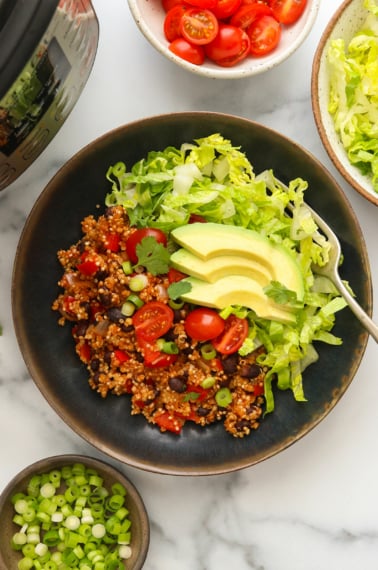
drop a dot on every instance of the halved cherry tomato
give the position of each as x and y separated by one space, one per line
112 242
248 13
203 324
288 11
193 53
152 320
229 47
167 421
199 26
233 336
264 34
225 8
175 275
136 237
172 22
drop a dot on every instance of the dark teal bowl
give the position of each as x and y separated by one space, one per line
54 223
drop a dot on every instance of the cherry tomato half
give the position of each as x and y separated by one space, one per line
248 13
203 324
233 336
225 8
152 320
264 35
137 236
193 53
172 22
199 26
288 11
231 45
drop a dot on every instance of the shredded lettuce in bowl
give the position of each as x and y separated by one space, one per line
213 179
353 93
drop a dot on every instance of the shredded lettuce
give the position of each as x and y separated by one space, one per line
214 179
353 94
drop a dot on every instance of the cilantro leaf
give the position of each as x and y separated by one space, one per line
178 288
153 255
281 294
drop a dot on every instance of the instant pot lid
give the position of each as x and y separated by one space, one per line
22 25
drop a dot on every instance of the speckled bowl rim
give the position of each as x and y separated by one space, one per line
56 461
319 90
210 70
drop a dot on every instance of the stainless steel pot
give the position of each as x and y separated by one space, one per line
47 49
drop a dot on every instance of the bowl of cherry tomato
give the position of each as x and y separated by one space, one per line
225 39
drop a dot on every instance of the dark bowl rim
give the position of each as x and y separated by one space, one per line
167 468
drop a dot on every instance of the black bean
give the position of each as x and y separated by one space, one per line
115 314
105 298
242 424
230 363
202 411
250 370
95 364
107 356
101 275
81 328
177 384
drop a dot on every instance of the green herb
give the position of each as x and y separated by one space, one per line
153 256
175 290
281 294
191 396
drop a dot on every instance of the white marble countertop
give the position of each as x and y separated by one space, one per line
311 507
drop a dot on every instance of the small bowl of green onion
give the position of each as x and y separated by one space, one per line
344 94
72 511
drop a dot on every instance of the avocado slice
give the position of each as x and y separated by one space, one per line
209 240
236 290
220 266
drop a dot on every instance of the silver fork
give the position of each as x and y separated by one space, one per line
331 271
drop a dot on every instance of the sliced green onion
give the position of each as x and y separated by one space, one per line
137 301
208 382
223 397
138 282
166 346
175 304
208 352
81 527
127 267
128 309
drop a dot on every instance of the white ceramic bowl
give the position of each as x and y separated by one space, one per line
346 21
149 16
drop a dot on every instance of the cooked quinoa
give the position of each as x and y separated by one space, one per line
185 386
